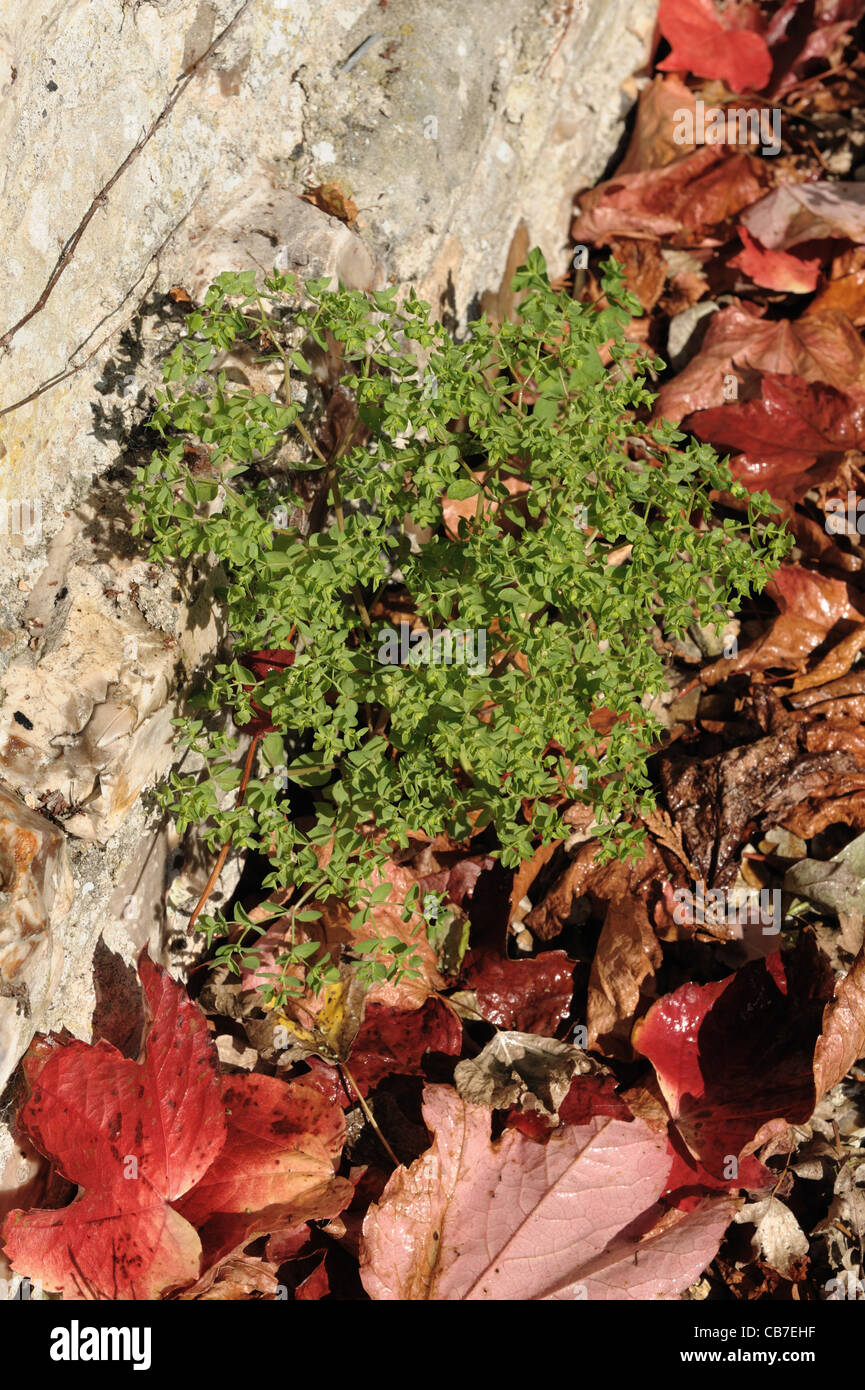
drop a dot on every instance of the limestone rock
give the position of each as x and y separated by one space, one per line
35 891
262 226
85 722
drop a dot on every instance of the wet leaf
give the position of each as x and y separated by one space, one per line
572 1217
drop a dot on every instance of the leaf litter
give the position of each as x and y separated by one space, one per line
658 1094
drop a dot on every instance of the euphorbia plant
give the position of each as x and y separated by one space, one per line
497 487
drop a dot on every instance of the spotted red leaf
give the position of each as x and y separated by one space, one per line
161 1146
133 1135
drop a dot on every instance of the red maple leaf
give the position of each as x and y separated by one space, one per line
138 1136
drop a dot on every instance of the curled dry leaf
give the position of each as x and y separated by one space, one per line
796 778
778 1238
812 605
572 1217
524 1070
627 954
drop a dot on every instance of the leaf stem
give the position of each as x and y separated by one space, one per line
369 1115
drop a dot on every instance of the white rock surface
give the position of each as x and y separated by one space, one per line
35 894
85 723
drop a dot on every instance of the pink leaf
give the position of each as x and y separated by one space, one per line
572 1217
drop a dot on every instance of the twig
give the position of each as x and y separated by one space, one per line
223 853
71 371
71 245
369 1115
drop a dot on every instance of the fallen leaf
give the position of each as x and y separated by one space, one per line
775 780
690 202
652 144
775 270
326 1024
842 1036
520 1069
531 996
162 1146
332 200
282 1146
836 885
392 1042
627 954
517 1219
241 1277
645 268
710 43
817 347
743 1059
778 1238
799 212
316 1285
780 436
812 605
386 920
845 290
134 1136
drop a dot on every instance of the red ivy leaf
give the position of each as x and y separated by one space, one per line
708 44
530 996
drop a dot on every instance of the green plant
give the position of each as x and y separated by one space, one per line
583 531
